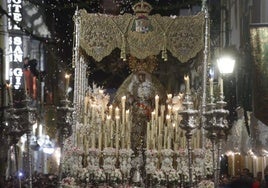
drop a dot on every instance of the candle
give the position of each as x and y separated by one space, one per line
211 86
123 102
175 136
159 142
128 137
34 128
169 132
93 138
86 140
127 116
101 91
221 85
9 93
156 105
162 117
159 125
40 130
169 97
102 104
233 164
165 137
117 118
111 110
110 128
187 84
116 112
67 81
93 106
169 109
153 136
148 136
100 138
127 131
198 137
105 137
152 128
168 142
86 103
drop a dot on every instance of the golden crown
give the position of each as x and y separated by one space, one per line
142 7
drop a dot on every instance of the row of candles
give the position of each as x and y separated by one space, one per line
111 127
108 126
163 130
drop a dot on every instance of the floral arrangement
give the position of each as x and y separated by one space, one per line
109 160
182 152
125 152
151 153
206 184
208 163
173 176
109 151
68 181
125 160
167 160
198 152
151 161
167 152
116 175
83 175
159 176
99 175
94 151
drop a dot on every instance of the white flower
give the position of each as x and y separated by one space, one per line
116 175
99 175
172 176
159 175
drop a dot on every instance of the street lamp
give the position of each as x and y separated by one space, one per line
226 64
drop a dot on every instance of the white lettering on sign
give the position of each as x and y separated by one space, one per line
17 73
15 42
15 55
15 49
14 10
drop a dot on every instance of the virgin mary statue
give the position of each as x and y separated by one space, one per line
140 89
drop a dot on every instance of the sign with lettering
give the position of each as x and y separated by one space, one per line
15 43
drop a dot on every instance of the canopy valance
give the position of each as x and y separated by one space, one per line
140 36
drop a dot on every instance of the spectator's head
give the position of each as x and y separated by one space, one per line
245 172
26 60
259 176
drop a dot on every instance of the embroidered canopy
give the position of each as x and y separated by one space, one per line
141 36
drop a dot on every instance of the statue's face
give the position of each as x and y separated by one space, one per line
141 77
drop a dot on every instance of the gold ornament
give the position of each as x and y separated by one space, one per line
148 64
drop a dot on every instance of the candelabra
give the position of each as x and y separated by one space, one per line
188 123
216 124
64 127
20 120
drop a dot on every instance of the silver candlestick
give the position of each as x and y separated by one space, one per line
64 127
189 123
216 124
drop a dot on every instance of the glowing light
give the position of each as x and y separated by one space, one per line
226 64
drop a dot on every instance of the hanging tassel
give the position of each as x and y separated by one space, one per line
164 49
123 50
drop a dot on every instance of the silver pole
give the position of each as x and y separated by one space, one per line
205 64
28 135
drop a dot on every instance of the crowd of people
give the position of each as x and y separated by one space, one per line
245 180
